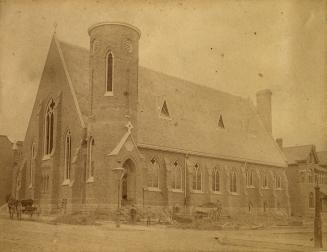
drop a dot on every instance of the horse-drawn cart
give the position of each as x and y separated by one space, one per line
28 207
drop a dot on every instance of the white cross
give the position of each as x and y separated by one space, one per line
129 127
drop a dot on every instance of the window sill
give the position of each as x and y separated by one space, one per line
109 94
216 192
46 157
153 189
90 180
234 193
197 192
66 182
30 186
278 189
265 188
250 187
165 118
176 190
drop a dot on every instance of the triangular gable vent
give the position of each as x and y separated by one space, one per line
164 110
221 122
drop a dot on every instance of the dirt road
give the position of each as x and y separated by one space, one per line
35 236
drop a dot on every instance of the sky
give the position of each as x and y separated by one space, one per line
237 46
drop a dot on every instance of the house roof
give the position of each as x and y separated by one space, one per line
322 156
297 153
194 115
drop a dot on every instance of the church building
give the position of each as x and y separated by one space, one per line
179 144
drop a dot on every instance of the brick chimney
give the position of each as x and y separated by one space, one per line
264 108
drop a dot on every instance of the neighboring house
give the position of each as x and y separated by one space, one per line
304 172
9 156
180 144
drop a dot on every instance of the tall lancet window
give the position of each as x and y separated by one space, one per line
68 155
109 72
49 128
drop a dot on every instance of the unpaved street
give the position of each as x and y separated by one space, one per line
33 236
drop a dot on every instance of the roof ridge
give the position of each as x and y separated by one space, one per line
163 73
71 45
194 83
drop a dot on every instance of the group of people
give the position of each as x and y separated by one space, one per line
15 207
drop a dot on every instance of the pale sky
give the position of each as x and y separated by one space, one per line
235 46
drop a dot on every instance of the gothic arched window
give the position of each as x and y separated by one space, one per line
233 180
215 180
68 155
153 174
90 170
49 128
176 176
109 72
197 178
249 178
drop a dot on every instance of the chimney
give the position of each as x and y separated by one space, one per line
264 108
279 141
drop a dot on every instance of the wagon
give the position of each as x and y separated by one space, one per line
28 207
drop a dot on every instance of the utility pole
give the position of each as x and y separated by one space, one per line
317 222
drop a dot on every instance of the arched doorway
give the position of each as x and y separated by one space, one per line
128 183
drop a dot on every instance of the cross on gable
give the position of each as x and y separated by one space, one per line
129 127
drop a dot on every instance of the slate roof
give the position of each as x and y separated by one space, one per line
194 113
322 156
297 153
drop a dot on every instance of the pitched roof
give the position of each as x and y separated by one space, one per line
322 156
194 115
77 62
297 153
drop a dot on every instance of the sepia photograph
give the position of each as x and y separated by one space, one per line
163 125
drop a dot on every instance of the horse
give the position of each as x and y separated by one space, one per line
12 207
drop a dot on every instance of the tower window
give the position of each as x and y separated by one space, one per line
49 128
109 72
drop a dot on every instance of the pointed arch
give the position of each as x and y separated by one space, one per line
233 182
221 122
215 180
49 120
164 110
177 176
153 173
197 178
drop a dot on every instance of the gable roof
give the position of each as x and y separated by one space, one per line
192 126
322 156
297 153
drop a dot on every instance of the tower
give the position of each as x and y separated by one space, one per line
113 77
